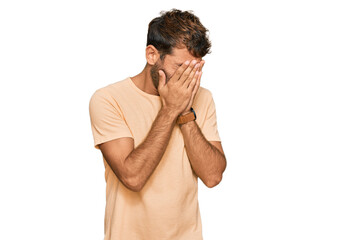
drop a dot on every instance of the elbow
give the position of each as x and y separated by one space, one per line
133 184
136 188
131 180
213 181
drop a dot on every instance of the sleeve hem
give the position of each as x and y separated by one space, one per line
109 138
217 139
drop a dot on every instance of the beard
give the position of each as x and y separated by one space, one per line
154 73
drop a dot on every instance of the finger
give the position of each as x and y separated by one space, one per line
179 72
198 83
192 74
196 87
186 73
195 90
161 79
199 76
202 64
194 81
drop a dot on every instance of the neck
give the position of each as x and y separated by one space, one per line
144 82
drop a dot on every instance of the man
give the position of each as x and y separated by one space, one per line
157 132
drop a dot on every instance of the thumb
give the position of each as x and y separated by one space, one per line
161 79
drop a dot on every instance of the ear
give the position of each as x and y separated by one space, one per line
151 54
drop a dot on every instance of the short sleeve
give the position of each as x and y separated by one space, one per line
210 129
107 121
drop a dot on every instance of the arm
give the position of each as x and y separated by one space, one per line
135 169
134 166
210 165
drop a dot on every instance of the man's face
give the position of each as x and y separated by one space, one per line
170 64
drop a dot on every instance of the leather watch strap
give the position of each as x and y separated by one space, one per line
187 118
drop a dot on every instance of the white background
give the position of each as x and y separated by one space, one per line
285 77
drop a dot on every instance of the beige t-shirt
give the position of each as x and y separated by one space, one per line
167 206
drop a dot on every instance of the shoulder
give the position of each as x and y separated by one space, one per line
99 95
110 90
203 96
203 93
203 100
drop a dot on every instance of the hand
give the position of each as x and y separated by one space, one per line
177 92
195 90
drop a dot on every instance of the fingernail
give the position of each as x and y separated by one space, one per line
187 62
197 65
194 61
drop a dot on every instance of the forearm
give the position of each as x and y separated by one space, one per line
206 160
142 161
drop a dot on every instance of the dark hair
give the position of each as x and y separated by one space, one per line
176 28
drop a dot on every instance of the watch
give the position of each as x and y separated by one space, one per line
187 118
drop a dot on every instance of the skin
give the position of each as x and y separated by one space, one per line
176 80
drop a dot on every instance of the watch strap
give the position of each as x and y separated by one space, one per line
187 117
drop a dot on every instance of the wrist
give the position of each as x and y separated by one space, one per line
185 112
170 112
186 125
186 117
